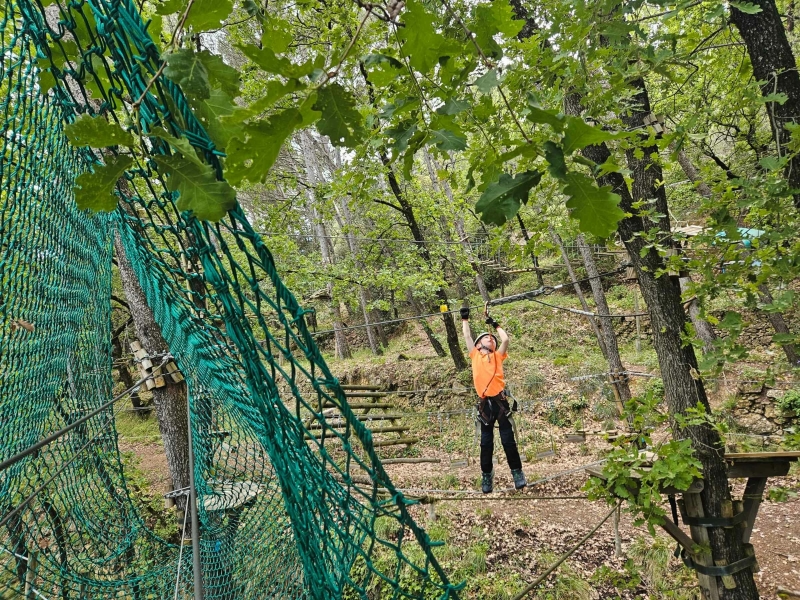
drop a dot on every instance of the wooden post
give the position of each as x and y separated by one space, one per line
753 493
617 539
30 576
708 585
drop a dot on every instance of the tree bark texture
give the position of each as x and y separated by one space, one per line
682 385
775 67
444 187
312 177
527 238
578 291
615 366
434 342
407 211
702 328
171 400
692 173
363 299
779 325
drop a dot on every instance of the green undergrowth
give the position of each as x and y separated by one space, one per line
148 502
133 426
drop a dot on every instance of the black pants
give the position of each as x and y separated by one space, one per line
496 410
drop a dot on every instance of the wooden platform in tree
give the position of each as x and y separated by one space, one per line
757 467
229 495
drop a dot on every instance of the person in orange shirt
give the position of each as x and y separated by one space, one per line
487 375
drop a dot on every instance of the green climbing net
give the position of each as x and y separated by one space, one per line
282 504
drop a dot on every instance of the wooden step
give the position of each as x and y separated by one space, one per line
367 395
391 429
408 441
360 405
395 442
367 388
337 420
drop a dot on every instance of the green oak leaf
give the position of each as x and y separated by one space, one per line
95 190
487 82
446 139
452 106
186 68
501 199
537 114
97 133
491 19
208 14
377 59
401 135
251 155
220 75
580 134
181 145
383 69
746 7
200 191
421 41
555 160
398 107
596 209
414 144
170 7
270 62
276 34
211 113
340 120
308 114
271 93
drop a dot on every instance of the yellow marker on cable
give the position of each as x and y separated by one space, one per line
443 308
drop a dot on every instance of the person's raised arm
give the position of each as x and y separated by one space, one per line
465 328
501 333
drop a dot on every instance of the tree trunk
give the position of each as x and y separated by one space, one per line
171 400
125 376
326 251
363 301
619 380
774 64
434 342
535 260
779 325
444 187
702 328
453 342
694 176
578 291
682 385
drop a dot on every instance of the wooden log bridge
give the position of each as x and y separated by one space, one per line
757 468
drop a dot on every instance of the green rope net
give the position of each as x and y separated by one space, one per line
282 505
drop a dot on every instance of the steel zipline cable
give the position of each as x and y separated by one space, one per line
545 290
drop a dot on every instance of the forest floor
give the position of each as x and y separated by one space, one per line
518 538
500 542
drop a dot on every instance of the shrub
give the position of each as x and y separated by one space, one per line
790 402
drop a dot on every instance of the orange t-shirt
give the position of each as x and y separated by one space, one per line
487 372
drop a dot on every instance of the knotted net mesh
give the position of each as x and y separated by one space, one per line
292 500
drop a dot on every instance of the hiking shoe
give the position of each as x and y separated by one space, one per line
519 478
487 482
